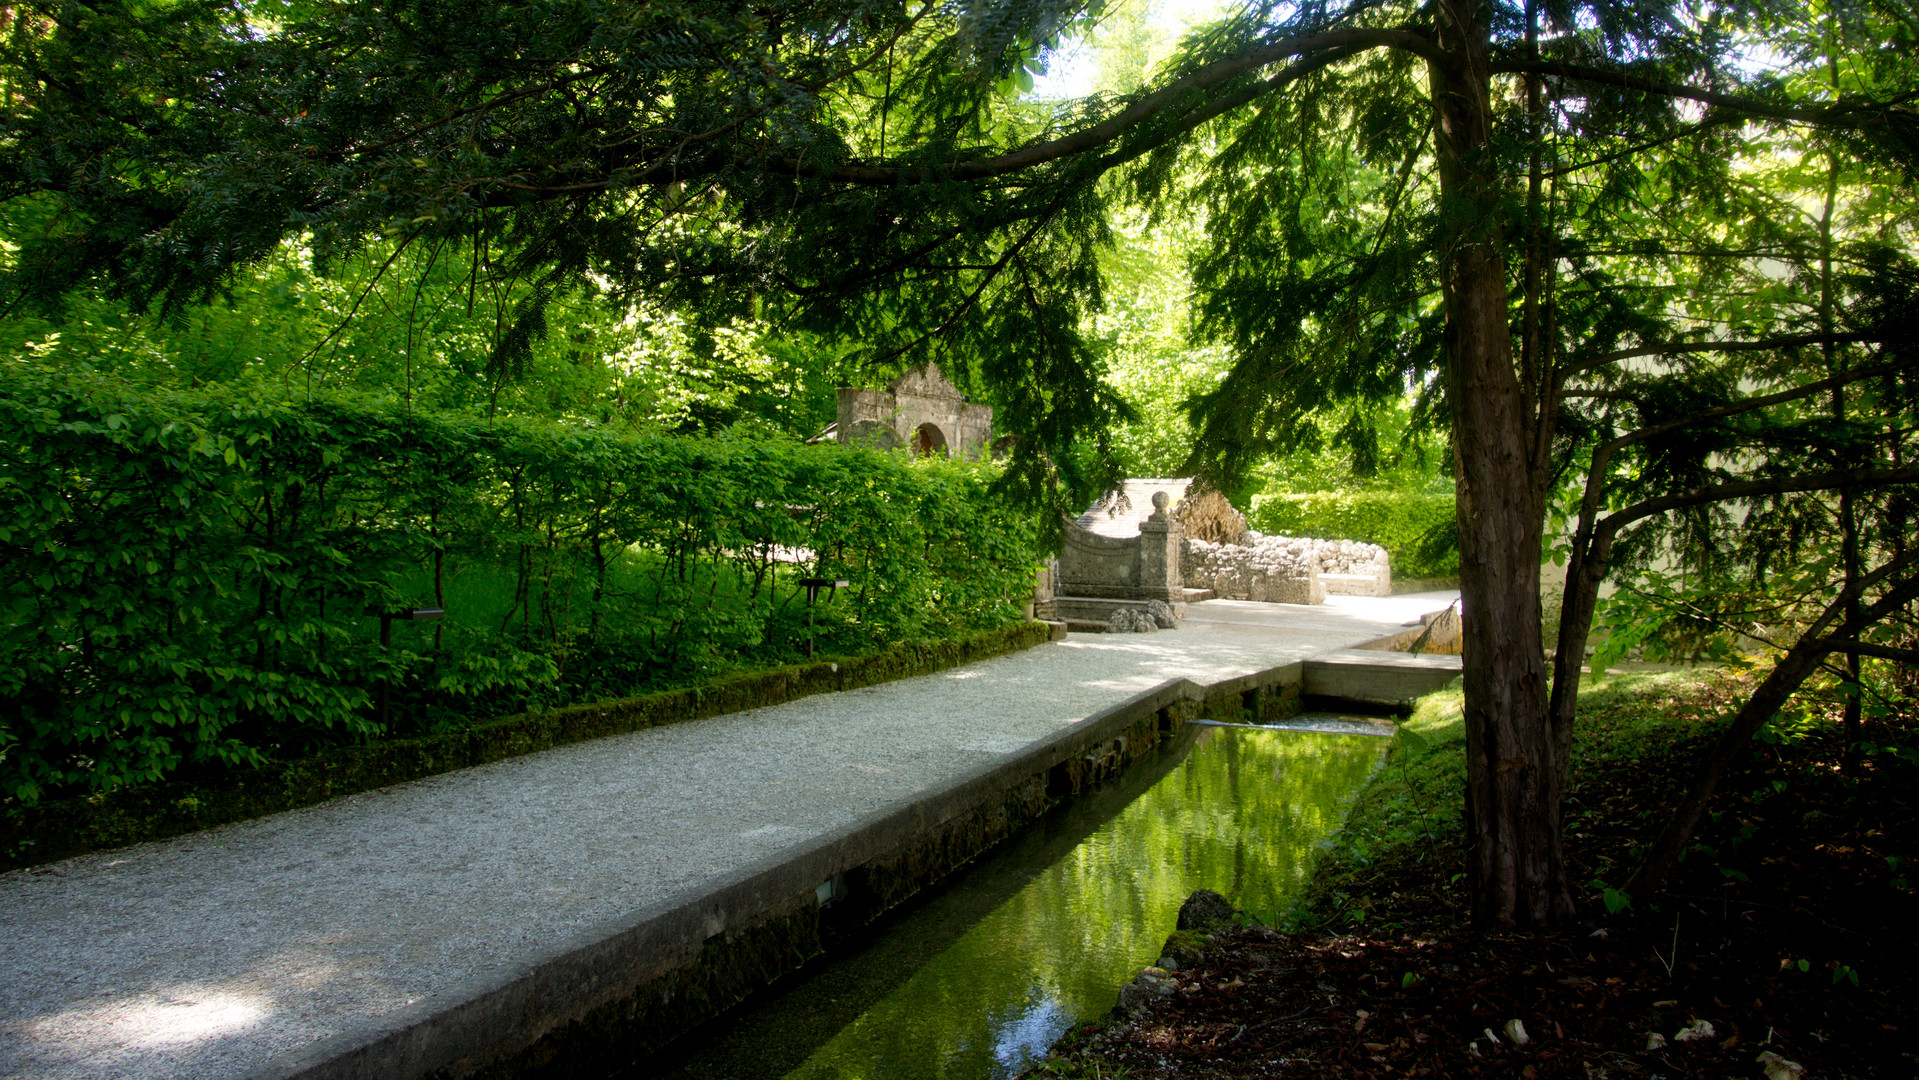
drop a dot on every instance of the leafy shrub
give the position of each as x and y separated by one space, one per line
1417 530
193 579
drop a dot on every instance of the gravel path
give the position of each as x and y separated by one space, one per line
214 954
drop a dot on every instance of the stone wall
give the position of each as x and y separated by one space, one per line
1286 569
1274 571
1353 568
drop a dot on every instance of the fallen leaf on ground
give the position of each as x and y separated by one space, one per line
1693 1032
1778 1068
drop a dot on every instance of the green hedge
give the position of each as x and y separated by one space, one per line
191 580
1417 530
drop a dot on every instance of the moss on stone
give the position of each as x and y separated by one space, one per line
1187 947
1235 703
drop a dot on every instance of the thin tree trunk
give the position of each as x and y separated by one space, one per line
1848 515
1513 775
439 579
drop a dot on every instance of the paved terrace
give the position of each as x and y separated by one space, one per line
257 948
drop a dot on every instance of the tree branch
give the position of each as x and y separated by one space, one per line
1787 341
1800 661
1884 652
1840 116
1593 539
1742 489
973 297
1606 450
1343 42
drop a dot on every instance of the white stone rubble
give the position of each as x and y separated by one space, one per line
1131 621
1285 569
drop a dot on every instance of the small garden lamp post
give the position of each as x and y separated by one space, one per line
386 641
813 585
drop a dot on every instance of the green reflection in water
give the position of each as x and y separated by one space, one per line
1241 813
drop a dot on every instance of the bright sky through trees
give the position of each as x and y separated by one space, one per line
1073 69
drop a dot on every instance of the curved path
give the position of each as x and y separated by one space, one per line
233 952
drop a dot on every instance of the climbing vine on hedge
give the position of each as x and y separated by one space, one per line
192 580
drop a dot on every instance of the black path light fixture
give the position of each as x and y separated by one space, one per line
387 618
813 585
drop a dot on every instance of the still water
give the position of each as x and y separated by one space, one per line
979 978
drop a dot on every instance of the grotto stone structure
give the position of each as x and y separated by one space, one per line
922 409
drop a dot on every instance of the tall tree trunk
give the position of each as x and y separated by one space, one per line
1514 776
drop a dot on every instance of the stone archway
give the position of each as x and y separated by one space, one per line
918 399
928 441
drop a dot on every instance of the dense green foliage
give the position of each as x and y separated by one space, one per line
1417 530
189 575
1595 240
646 157
404 323
868 173
1348 446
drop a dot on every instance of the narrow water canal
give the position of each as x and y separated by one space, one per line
977 979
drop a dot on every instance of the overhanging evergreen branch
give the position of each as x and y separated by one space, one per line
1746 489
1788 341
1846 115
1339 44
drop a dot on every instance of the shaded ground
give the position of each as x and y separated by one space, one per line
1789 929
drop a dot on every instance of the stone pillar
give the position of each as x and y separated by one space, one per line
1045 604
1159 538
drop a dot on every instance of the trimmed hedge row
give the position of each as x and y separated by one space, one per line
136 814
195 580
1419 531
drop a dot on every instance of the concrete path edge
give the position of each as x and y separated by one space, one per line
597 996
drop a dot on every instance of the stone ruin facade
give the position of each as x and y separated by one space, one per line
922 409
1286 569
